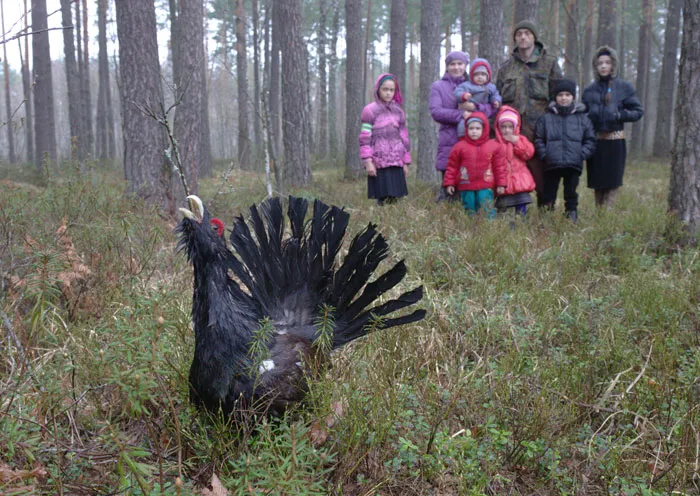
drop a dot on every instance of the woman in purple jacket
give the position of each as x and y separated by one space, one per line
443 108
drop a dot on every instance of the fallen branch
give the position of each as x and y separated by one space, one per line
15 339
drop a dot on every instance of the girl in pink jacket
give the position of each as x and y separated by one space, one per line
384 144
518 150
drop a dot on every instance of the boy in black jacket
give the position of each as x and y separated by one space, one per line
564 138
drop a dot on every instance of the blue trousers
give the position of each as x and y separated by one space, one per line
476 201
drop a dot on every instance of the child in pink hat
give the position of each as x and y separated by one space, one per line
518 150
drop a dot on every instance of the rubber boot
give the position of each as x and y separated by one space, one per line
572 215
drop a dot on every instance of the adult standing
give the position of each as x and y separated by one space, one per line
444 108
611 102
525 82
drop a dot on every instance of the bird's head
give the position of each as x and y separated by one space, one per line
201 235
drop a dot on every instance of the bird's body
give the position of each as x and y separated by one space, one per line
262 311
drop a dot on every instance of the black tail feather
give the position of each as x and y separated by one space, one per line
358 327
405 319
377 251
364 254
328 226
297 213
373 291
249 252
274 219
338 220
314 257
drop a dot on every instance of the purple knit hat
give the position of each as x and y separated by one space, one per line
456 55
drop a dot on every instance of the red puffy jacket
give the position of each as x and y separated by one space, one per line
518 177
476 164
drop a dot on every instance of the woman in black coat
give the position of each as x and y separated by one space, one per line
611 102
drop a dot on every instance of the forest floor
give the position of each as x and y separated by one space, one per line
555 358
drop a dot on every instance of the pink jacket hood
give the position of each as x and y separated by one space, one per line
397 95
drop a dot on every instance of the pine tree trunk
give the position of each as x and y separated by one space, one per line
175 40
510 28
647 140
662 135
397 42
80 139
491 32
257 114
588 47
684 193
367 83
242 84
295 107
84 137
621 48
275 67
267 21
525 9
448 38
72 81
309 103
27 92
105 148
429 71
464 23
333 96
205 156
147 174
270 147
86 97
644 55
571 59
44 124
322 142
412 65
354 85
554 42
190 89
607 23
474 38
8 102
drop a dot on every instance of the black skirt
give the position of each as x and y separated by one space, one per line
503 202
607 165
390 182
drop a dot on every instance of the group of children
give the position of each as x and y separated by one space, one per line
490 175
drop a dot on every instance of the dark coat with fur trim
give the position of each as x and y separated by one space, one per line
624 105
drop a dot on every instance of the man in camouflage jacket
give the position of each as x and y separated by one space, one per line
525 82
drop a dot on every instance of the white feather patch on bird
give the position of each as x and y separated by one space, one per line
298 364
266 366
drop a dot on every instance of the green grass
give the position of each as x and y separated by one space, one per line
555 359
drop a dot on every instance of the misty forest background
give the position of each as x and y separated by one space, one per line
245 44
555 359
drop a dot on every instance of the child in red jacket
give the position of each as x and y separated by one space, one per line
475 166
518 150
